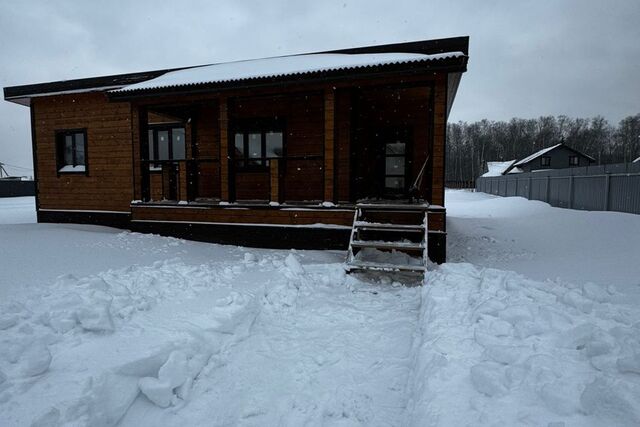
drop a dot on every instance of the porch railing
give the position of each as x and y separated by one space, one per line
294 178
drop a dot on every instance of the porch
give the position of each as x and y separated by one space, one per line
284 169
327 147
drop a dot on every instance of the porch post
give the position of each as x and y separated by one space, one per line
143 139
329 145
224 150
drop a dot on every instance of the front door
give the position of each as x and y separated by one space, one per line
394 162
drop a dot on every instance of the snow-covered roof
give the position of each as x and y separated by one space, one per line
281 66
536 154
636 160
497 168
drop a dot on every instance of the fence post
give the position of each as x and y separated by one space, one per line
607 186
530 182
548 196
570 201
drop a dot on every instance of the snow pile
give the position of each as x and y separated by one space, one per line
499 349
91 328
497 168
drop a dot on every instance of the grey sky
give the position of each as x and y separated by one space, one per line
528 58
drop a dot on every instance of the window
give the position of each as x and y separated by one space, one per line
545 161
167 143
71 148
574 161
255 143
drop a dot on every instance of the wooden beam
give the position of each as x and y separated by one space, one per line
224 150
274 169
329 145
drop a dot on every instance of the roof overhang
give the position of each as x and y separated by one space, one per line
440 63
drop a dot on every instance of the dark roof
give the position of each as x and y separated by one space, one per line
23 94
546 150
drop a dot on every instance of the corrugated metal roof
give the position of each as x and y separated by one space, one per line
536 154
280 66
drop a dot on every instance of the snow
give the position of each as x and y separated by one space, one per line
636 160
497 168
281 66
17 210
535 321
536 155
71 168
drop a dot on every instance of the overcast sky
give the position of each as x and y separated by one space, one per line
527 58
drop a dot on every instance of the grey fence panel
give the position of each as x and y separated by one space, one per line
589 193
539 189
624 193
511 186
522 189
606 187
501 188
559 191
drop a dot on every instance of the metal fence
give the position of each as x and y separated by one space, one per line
460 184
595 188
16 188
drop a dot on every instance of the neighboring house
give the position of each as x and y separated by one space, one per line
499 168
559 156
268 152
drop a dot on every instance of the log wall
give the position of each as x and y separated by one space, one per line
108 183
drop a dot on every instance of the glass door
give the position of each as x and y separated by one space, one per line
395 163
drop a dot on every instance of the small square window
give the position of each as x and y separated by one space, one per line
71 151
545 161
574 161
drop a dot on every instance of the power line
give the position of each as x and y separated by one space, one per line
16 167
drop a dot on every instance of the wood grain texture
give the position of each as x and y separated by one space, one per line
109 182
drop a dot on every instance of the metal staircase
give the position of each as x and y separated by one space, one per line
388 237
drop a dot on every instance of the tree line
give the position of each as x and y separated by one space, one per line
469 145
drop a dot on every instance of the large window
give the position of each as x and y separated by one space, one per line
256 143
166 143
71 149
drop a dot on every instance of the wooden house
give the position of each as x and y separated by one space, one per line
272 152
558 156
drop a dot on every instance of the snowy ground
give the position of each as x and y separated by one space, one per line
535 321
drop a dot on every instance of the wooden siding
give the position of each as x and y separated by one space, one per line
303 115
329 145
401 108
343 110
239 215
223 119
319 131
108 185
439 138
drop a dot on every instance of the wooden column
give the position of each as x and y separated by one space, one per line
183 190
224 150
439 136
274 169
329 145
143 154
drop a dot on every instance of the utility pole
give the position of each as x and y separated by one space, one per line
3 171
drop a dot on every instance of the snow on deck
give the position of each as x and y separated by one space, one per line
281 66
115 328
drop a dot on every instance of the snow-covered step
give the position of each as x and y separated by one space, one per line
381 226
387 245
379 266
